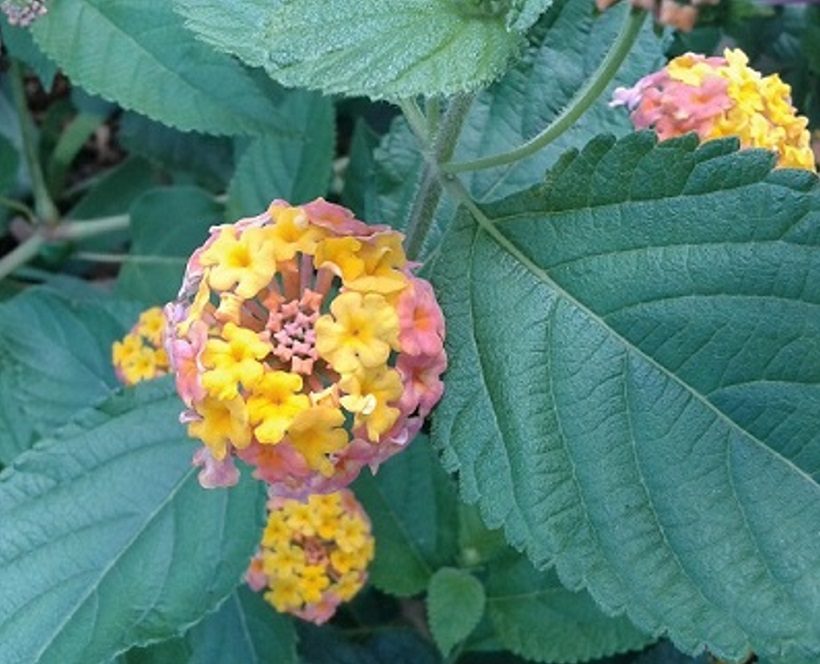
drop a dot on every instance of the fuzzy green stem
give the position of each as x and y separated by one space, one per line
415 118
98 257
43 205
585 97
429 192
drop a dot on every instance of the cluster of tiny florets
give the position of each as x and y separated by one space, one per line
717 97
140 355
23 12
303 343
314 554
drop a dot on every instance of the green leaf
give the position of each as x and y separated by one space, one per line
412 506
296 168
167 224
116 190
20 45
55 359
209 158
359 170
634 385
537 618
568 45
524 13
108 539
245 630
142 57
455 604
375 48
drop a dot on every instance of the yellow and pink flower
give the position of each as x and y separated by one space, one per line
313 555
303 343
140 355
717 97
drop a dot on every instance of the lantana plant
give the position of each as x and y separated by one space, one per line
432 331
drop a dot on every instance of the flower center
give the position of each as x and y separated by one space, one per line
293 334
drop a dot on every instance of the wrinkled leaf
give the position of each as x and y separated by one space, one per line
455 604
141 56
108 539
634 385
375 48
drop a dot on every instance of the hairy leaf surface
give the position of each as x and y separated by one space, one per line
377 48
634 386
141 56
537 618
108 539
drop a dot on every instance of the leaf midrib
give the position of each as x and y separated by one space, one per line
486 225
108 568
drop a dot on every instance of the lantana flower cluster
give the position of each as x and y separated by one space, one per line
314 554
140 354
23 12
717 97
303 343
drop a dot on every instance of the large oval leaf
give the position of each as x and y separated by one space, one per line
377 48
108 540
141 56
634 389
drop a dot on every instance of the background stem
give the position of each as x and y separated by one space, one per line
585 97
43 205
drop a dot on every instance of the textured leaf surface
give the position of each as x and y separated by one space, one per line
296 168
20 45
245 630
153 65
524 13
167 224
108 539
412 506
209 158
455 604
376 48
537 618
567 46
55 358
634 386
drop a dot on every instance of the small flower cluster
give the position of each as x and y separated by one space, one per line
302 343
717 97
140 354
23 12
314 554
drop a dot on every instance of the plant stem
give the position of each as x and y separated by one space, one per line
78 230
43 205
97 257
432 111
429 192
415 118
585 97
17 206
21 254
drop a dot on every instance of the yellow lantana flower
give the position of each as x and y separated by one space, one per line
222 423
245 264
359 332
233 360
292 232
317 432
274 402
369 393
